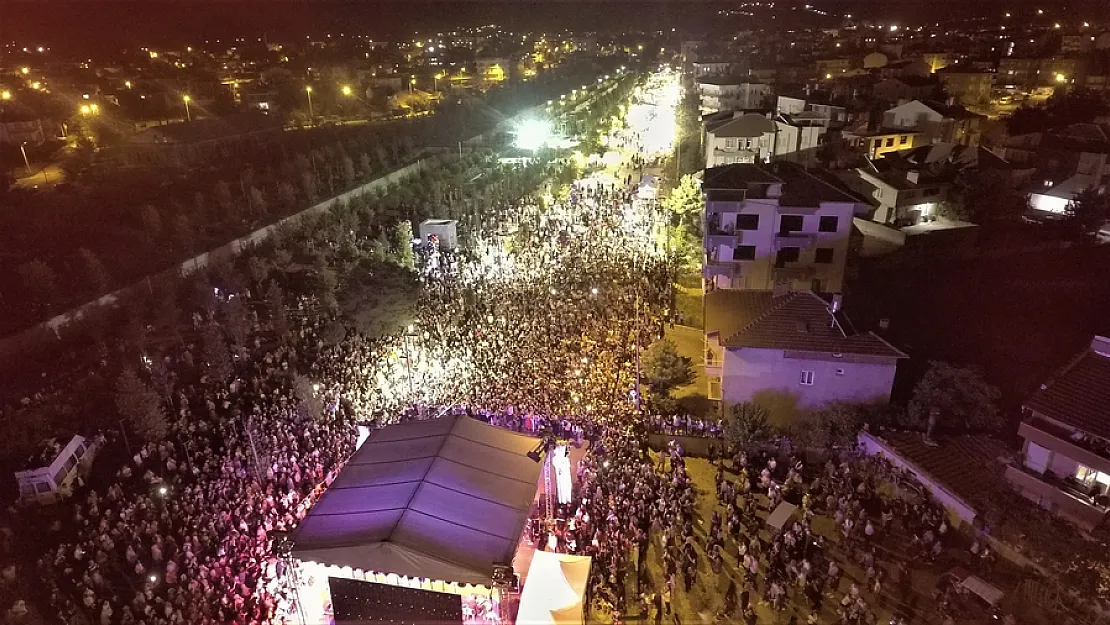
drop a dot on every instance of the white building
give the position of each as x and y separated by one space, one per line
755 138
801 106
731 94
775 227
792 352
904 197
712 68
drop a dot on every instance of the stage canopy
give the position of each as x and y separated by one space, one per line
442 499
554 592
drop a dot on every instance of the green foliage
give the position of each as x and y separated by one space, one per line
40 281
664 369
834 424
1086 214
987 197
217 358
1064 107
94 270
139 405
402 245
747 423
965 401
309 404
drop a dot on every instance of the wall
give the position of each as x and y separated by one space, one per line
771 378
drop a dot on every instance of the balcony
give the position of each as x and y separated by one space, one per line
794 239
1058 439
713 268
1060 496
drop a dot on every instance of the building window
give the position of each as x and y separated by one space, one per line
824 255
806 379
839 372
787 255
828 224
890 142
790 223
730 144
743 252
714 388
903 140
747 222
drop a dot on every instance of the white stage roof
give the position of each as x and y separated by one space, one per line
442 499
554 591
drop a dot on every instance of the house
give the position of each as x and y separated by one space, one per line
970 87
877 142
1066 161
492 69
904 87
1065 464
904 197
712 68
755 138
792 351
775 226
731 94
818 107
936 121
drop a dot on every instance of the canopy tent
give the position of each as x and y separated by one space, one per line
555 591
442 499
781 515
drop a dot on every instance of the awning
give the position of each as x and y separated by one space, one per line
555 589
441 499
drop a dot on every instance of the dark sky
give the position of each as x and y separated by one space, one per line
108 24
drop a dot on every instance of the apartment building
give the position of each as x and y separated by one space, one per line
968 86
1065 465
775 227
731 94
937 121
756 138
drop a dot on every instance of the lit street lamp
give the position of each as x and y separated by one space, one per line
23 149
308 90
346 90
5 95
188 116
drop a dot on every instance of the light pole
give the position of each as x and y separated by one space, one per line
23 149
409 334
188 115
308 90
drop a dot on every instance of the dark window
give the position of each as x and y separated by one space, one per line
828 224
743 252
747 222
890 142
787 255
790 223
903 139
824 255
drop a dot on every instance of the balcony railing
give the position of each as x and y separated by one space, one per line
1059 440
1066 497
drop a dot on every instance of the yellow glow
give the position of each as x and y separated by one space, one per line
85 109
828 76
153 54
308 89
36 85
5 95
1056 25
127 84
25 70
345 90
186 98
1061 78
94 108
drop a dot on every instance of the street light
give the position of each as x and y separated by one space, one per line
5 95
188 116
26 161
308 90
25 70
346 90
89 109
127 83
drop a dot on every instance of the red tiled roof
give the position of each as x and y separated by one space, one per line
972 467
1079 395
799 322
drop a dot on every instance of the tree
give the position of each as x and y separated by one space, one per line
747 423
184 236
960 397
309 404
40 281
664 369
365 170
685 202
139 405
223 199
402 245
348 171
334 332
1086 214
217 358
834 424
257 200
988 196
288 194
238 323
94 270
259 269
308 185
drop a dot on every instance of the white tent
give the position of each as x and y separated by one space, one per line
442 499
781 515
554 592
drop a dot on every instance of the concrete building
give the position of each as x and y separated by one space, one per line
775 227
1066 162
969 87
731 94
801 104
876 143
904 197
756 138
792 352
936 121
1065 465
708 69
900 88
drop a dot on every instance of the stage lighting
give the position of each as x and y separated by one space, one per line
533 134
